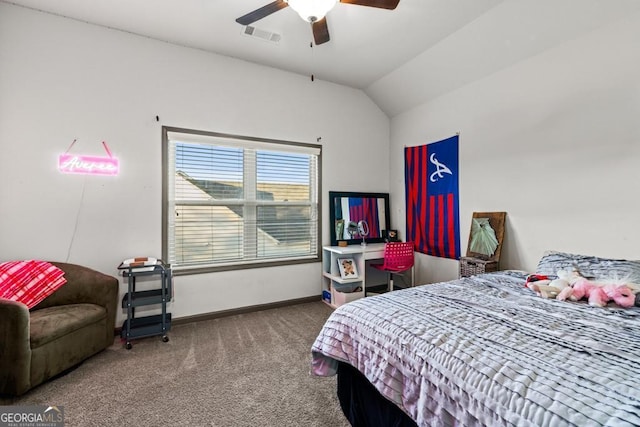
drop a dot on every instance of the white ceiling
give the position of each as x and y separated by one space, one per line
376 50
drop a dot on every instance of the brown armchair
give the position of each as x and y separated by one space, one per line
72 324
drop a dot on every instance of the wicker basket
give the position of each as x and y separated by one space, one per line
470 266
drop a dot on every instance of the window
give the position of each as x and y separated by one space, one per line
237 202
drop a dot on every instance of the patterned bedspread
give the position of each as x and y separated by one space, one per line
486 351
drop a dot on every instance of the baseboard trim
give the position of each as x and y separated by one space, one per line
235 311
243 310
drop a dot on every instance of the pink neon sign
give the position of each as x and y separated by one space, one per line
88 165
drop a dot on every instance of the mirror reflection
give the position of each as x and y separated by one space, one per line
349 209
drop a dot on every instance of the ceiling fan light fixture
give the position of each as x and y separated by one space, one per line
312 10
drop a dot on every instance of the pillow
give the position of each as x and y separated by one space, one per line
29 282
590 266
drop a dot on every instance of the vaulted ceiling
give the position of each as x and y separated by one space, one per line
400 57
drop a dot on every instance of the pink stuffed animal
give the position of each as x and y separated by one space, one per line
584 288
620 294
597 294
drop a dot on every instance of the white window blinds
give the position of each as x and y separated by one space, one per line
235 202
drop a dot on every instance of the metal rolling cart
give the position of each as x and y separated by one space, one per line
146 326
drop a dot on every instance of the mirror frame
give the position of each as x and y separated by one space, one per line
333 195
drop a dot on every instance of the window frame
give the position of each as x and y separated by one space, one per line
239 265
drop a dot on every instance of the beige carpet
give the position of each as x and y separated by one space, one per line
245 370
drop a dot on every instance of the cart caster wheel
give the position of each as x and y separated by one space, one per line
128 346
165 339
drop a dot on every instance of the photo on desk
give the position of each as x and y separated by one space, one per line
347 268
390 235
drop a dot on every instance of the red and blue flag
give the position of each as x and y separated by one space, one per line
366 208
432 195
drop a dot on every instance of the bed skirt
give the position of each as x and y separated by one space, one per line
363 405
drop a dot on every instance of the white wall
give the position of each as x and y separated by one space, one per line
62 79
553 140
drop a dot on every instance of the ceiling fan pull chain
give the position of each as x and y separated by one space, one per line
312 63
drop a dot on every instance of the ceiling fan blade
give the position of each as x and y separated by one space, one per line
260 13
382 4
320 31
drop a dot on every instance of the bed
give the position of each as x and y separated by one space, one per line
486 351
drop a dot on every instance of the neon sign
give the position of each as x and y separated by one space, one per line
88 165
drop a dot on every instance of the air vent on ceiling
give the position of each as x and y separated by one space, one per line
252 31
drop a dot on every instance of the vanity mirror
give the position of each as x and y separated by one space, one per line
347 209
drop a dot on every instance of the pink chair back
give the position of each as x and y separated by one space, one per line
398 256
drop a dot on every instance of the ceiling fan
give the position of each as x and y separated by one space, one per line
312 11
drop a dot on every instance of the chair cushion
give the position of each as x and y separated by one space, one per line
48 324
29 282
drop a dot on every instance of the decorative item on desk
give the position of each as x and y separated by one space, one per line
391 236
347 268
350 206
363 230
352 229
339 229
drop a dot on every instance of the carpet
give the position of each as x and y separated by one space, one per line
242 370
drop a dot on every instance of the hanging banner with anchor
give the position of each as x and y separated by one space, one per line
432 197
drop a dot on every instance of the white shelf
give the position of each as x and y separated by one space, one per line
331 279
339 279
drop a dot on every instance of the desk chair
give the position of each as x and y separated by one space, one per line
398 258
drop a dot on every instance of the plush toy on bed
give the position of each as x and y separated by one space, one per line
549 286
539 283
598 294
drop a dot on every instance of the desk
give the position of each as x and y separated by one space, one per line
337 290
371 251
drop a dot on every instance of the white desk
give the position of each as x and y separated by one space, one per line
371 251
333 283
